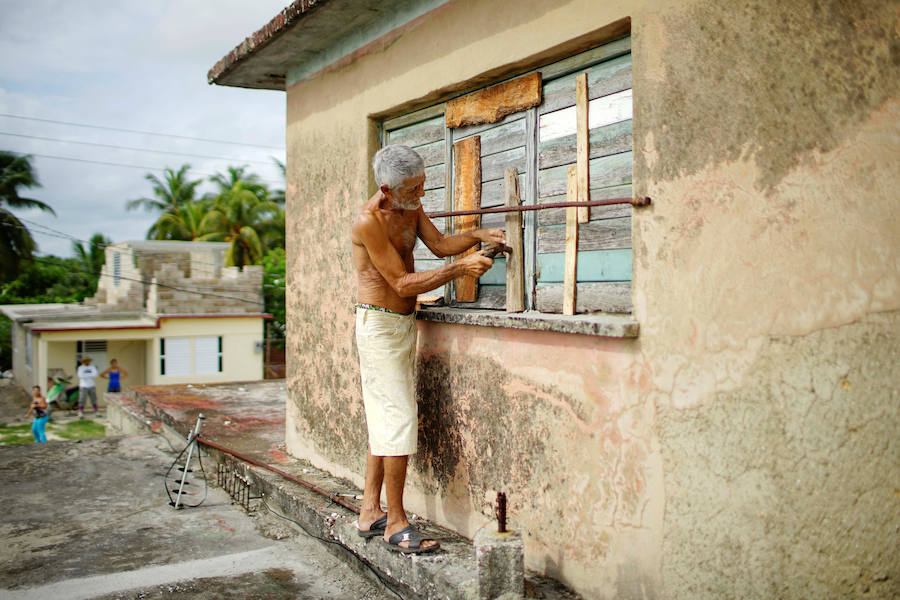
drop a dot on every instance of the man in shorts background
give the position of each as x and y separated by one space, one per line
384 234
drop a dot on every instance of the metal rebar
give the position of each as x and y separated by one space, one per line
501 512
640 201
333 497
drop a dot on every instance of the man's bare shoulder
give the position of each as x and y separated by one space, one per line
368 220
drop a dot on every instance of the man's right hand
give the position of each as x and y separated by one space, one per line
475 264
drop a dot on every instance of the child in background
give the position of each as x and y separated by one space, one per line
41 416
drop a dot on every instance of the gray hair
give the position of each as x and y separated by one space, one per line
394 164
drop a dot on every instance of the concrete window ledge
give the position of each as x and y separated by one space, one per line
601 324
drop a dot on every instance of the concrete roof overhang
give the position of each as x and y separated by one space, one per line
310 35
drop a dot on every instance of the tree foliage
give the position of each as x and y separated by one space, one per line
273 264
16 243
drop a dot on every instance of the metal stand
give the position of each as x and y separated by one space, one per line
191 444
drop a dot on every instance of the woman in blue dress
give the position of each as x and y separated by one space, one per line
114 373
41 414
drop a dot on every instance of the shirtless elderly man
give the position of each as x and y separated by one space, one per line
384 235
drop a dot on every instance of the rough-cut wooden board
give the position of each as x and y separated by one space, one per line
467 196
609 234
515 264
571 273
494 166
492 104
499 136
435 176
434 201
432 154
611 139
582 147
604 296
493 194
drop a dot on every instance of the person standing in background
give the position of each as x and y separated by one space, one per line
86 388
114 373
41 415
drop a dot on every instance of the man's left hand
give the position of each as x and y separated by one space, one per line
490 235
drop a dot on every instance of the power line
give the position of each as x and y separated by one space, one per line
99 145
141 167
171 135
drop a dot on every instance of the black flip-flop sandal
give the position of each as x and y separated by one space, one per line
376 528
410 534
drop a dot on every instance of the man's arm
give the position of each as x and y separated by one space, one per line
450 245
391 266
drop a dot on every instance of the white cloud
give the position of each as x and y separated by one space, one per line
130 65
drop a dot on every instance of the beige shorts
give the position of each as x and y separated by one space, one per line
387 357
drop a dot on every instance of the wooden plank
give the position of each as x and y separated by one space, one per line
604 172
423 114
571 274
432 154
603 79
470 130
530 197
491 104
433 200
424 132
555 216
515 267
597 265
435 176
494 167
609 234
582 151
493 192
467 196
578 62
489 296
612 297
498 137
604 141
607 110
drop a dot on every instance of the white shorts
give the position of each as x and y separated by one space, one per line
386 343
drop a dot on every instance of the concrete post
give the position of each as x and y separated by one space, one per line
500 558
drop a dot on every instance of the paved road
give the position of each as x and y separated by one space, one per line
90 519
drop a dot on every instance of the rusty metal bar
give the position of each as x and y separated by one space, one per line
501 512
640 201
334 497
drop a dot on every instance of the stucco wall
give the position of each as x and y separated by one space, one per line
745 444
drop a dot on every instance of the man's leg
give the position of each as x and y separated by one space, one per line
82 397
394 481
371 504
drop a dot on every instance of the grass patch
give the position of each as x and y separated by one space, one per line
77 430
19 435
15 435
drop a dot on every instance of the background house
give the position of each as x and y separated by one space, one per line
731 431
170 312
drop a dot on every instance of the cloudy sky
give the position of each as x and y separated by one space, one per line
127 65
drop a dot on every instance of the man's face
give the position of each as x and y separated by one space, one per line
408 193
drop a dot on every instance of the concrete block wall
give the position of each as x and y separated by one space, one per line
235 292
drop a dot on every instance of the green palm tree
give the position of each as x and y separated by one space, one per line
92 255
183 223
170 192
235 175
243 219
278 195
16 243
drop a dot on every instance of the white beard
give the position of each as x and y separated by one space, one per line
410 205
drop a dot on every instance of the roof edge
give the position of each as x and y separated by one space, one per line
262 38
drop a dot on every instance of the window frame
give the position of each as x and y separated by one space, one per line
163 355
582 61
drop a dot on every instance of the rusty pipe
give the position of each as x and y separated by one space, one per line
639 201
334 497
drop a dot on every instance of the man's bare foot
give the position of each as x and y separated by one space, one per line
410 541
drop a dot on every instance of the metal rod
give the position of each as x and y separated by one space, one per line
333 497
193 436
501 512
641 201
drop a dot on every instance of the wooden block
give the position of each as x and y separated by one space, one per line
515 265
492 104
467 196
582 143
571 272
